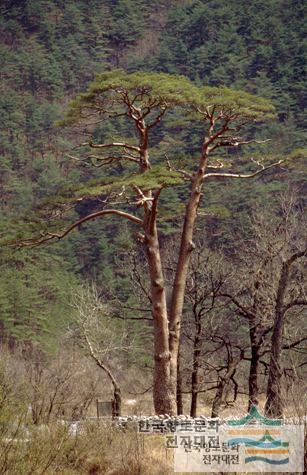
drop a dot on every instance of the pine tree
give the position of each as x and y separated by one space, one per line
142 100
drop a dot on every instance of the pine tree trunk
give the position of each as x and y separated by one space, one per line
186 247
164 394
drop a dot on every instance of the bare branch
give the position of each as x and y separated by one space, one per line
112 144
89 217
133 318
153 213
294 344
236 142
244 311
219 165
294 303
242 175
158 118
186 175
105 160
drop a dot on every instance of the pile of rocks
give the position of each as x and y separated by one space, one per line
162 417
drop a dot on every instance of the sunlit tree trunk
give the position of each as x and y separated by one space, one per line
186 247
163 393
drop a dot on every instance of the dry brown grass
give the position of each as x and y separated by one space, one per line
95 450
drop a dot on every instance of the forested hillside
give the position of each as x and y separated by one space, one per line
50 52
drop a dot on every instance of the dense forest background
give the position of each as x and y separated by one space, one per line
50 50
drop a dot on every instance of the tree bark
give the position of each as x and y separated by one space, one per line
253 388
217 402
186 247
117 402
164 394
274 403
195 371
179 388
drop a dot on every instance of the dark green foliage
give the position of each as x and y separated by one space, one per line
257 46
34 291
49 52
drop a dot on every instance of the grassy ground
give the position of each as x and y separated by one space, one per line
96 449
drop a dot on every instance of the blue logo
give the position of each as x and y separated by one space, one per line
261 438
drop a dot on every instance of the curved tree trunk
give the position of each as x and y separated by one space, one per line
217 402
116 403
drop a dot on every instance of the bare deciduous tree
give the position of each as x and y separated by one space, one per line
266 285
102 336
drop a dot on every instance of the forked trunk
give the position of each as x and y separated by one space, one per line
218 399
